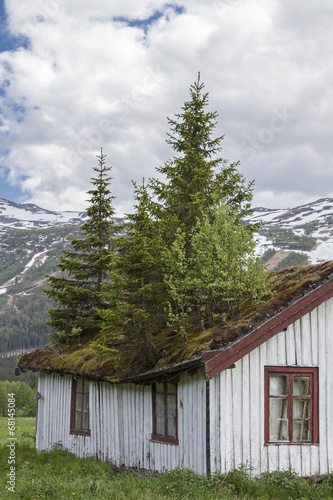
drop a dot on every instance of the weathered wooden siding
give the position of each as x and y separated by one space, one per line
237 401
121 423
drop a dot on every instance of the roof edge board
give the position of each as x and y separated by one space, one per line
222 360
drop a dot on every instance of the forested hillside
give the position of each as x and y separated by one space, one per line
25 257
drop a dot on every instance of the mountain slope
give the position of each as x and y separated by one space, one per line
306 229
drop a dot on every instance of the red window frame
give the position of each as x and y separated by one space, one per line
165 438
290 372
79 408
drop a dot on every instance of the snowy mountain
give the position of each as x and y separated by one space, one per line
29 216
306 229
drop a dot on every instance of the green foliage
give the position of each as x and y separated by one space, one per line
224 264
24 401
84 291
286 483
25 429
178 281
293 259
222 269
58 474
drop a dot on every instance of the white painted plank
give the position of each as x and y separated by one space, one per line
246 423
305 325
314 337
329 380
290 346
281 348
323 417
238 413
255 389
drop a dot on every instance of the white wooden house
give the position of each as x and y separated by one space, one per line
258 391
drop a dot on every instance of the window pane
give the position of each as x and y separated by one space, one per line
77 420
79 385
278 408
171 425
159 403
278 423
301 385
160 424
301 408
78 401
278 385
171 417
160 413
85 420
85 402
301 424
301 430
278 430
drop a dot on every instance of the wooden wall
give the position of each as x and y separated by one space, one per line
237 401
121 423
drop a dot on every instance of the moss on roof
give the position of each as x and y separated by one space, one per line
130 361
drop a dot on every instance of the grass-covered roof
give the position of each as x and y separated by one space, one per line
173 352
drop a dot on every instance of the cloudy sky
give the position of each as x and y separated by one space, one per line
76 75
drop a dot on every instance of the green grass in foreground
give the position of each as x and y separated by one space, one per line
25 428
58 474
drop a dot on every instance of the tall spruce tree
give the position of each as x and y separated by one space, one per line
197 182
84 291
196 177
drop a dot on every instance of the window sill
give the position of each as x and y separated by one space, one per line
164 439
300 443
80 432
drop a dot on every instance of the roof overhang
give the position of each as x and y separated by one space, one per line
220 360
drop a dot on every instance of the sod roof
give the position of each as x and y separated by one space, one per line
173 352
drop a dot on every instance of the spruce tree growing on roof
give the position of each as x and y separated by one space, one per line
84 291
197 177
197 180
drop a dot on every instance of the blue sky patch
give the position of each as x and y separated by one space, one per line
9 42
145 24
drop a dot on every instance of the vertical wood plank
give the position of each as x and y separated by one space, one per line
246 422
322 382
255 389
329 379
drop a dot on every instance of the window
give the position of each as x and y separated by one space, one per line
291 405
165 413
80 407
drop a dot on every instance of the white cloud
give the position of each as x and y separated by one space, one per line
85 81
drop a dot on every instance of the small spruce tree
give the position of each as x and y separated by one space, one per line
83 291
